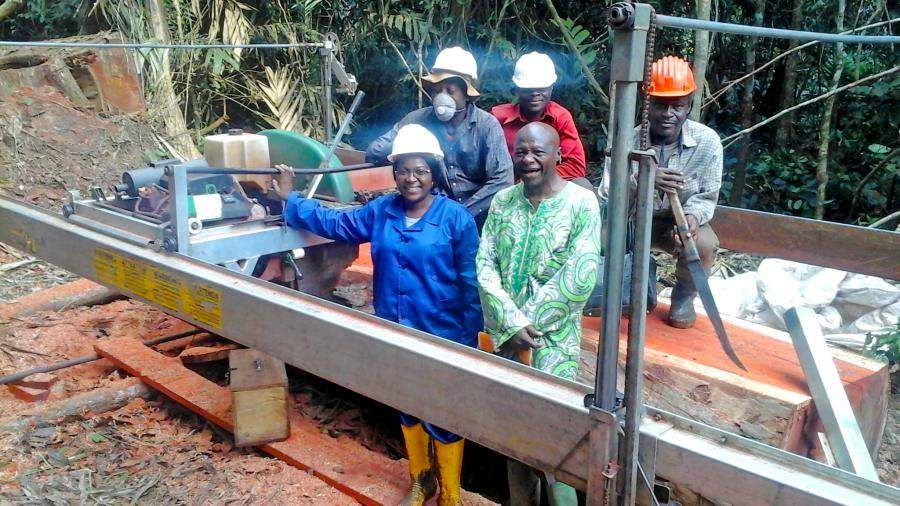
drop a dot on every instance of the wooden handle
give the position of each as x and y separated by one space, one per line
486 344
690 248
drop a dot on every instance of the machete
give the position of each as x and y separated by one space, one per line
692 259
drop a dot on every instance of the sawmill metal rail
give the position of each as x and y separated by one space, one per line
513 409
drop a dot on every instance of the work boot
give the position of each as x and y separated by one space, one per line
448 459
424 485
681 313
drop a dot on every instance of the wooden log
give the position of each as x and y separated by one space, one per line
95 401
81 292
687 372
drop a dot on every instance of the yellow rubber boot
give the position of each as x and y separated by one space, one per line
448 459
423 486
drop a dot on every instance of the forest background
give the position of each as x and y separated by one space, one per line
809 129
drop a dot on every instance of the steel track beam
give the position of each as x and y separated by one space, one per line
516 410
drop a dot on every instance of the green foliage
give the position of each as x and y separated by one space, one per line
885 344
387 44
780 182
42 19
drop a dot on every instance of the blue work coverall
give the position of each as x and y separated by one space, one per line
424 274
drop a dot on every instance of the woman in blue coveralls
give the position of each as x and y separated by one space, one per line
423 253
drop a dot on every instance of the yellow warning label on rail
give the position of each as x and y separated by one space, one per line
201 302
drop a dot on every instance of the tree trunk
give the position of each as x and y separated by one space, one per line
701 58
783 130
95 401
825 124
10 7
164 101
740 168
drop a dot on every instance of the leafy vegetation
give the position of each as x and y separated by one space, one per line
885 344
388 45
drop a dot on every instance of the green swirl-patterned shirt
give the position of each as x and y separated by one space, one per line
538 267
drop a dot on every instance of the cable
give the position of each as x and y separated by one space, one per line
127 45
759 31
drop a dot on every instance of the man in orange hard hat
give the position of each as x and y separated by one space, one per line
690 163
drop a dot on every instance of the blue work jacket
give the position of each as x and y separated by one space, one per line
424 275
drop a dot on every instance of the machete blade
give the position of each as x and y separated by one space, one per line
709 304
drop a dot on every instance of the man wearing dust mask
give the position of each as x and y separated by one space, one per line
475 153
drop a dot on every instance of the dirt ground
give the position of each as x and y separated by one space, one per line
50 146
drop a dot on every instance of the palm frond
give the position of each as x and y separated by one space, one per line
279 93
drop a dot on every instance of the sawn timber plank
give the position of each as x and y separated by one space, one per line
686 372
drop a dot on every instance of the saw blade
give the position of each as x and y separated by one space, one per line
709 304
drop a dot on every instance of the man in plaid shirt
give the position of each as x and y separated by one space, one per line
690 162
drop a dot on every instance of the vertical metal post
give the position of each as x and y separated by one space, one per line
637 326
178 207
327 54
627 70
630 23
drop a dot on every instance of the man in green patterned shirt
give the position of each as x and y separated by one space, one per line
537 264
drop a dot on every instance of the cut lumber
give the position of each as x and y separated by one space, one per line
43 381
260 398
28 394
177 345
203 354
687 372
95 401
368 477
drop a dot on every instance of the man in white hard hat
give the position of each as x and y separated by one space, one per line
478 162
534 78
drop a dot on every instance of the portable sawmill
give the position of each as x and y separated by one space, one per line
188 237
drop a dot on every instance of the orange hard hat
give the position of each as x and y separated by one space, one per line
671 76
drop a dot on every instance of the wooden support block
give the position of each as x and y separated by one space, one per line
260 416
259 385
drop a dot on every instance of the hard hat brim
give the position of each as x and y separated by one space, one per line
672 94
521 83
435 77
437 156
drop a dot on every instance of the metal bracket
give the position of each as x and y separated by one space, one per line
628 50
603 464
639 155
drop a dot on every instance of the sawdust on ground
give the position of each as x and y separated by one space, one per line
154 451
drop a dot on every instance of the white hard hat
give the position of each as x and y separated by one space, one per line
534 70
455 62
415 139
